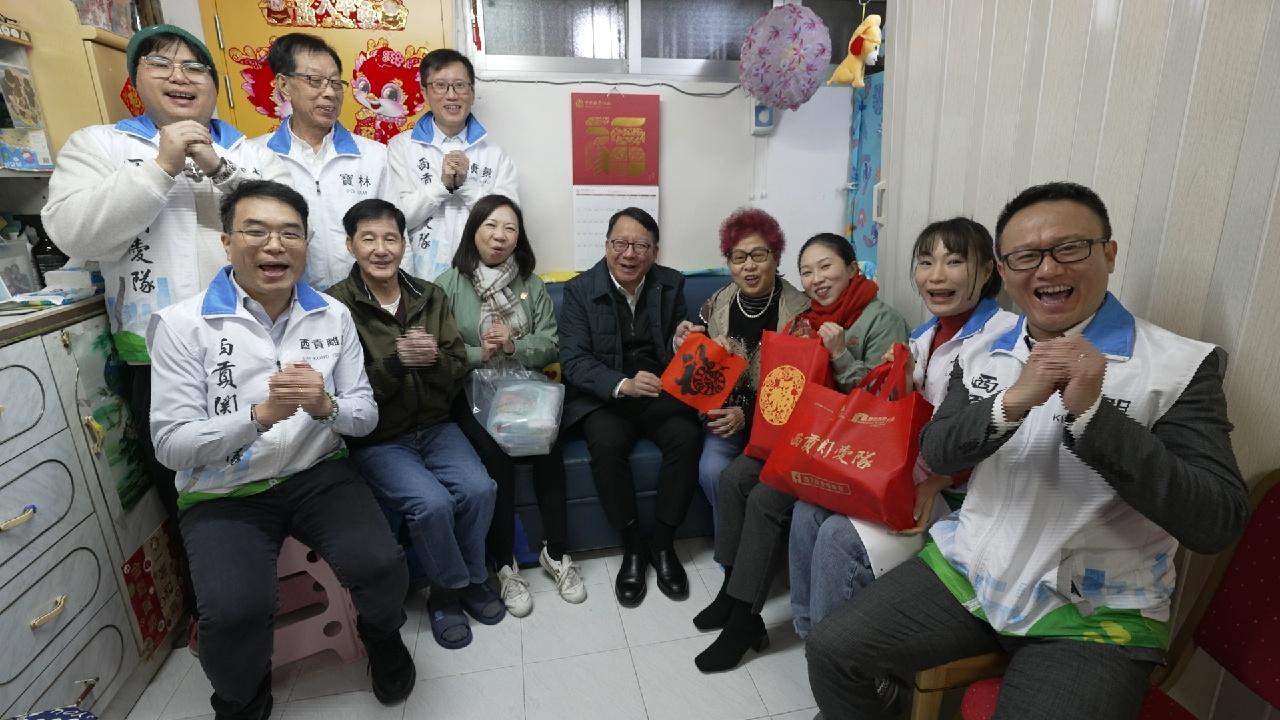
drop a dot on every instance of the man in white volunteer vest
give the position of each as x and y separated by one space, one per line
1098 443
255 381
141 198
332 168
444 165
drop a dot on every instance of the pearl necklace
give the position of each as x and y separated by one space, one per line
762 303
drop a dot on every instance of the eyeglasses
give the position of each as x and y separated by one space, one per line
257 237
161 66
319 81
1064 253
639 247
759 255
442 87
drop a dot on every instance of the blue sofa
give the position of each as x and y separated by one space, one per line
588 528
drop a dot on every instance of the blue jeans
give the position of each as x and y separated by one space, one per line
829 564
717 453
434 479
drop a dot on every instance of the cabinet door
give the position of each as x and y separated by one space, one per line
380 42
102 654
40 502
90 383
48 603
110 72
29 408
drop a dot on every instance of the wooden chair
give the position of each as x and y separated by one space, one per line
1231 620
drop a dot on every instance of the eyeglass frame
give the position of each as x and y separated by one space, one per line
459 87
632 245
751 255
279 234
1053 250
317 82
201 70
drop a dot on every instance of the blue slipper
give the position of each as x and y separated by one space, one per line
449 627
482 603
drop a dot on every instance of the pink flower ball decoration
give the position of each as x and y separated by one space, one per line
785 57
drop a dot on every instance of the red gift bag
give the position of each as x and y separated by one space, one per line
855 454
788 364
702 373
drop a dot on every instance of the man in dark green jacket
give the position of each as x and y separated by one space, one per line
418 463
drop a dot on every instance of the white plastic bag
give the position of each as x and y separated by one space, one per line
519 408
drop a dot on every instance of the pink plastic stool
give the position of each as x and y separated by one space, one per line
315 613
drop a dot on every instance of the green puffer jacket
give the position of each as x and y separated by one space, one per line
408 398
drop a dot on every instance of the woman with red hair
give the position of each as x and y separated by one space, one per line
736 316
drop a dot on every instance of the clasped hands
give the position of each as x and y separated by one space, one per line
454 172
496 337
186 139
417 348
297 385
1071 365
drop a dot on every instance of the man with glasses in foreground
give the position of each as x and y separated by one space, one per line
616 327
1099 442
331 168
141 198
444 165
256 379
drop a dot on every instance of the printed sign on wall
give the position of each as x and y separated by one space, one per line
615 139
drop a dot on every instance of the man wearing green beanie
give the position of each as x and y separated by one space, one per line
141 198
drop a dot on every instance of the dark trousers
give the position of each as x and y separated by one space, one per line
612 432
233 544
755 521
907 621
548 485
138 378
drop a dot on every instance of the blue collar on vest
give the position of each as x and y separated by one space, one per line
424 131
224 135
1113 331
982 313
282 140
220 298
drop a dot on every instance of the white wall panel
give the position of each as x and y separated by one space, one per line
1163 145
1122 149
1060 106
1230 48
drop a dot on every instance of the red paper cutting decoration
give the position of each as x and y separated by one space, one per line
702 373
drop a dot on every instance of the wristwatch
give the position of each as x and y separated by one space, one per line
253 416
225 170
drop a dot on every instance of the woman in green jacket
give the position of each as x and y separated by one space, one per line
501 307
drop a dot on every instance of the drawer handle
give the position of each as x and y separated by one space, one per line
28 512
89 684
98 433
59 604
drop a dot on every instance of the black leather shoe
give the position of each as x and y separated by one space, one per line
630 586
672 580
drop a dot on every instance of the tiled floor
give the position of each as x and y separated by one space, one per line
576 662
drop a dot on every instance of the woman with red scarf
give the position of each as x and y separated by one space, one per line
857 329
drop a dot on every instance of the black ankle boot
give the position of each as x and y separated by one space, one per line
742 631
259 708
390 667
713 616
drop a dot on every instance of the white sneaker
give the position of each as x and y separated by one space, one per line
565 573
515 591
